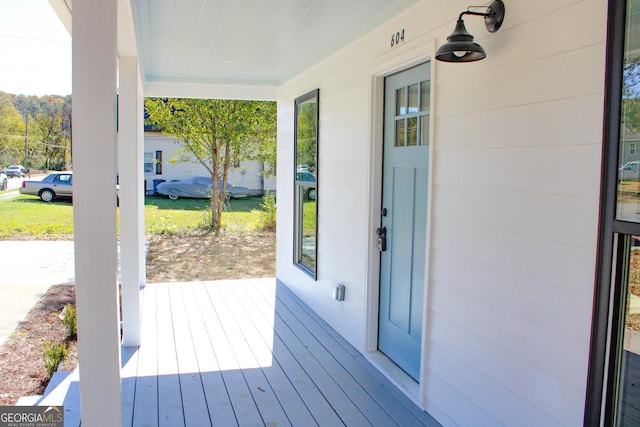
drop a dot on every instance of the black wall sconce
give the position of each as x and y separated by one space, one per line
460 46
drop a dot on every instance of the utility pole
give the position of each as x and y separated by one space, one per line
26 137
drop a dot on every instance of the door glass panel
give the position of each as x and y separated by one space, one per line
425 95
628 383
412 131
400 124
413 98
424 130
628 203
401 101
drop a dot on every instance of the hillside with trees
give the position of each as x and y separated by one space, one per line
35 131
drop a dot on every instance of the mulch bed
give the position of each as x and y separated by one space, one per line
22 371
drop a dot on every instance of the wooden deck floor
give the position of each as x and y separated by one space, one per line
249 353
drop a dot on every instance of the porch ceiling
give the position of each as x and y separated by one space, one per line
237 42
263 42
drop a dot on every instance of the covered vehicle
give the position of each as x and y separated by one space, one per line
198 187
57 184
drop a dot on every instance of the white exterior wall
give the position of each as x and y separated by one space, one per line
515 184
249 174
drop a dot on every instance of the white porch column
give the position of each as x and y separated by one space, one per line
130 161
94 163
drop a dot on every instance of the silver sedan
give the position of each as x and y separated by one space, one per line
57 184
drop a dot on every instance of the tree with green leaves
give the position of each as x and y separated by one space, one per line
219 134
11 131
46 131
49 132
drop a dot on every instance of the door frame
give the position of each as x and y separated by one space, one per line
393 62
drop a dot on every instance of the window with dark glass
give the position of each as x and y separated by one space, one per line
306 182
613 389
158 162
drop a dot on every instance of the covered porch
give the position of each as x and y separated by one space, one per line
245 352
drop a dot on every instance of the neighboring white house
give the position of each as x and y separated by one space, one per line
469 209
163 163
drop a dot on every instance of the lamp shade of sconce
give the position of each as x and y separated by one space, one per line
460 46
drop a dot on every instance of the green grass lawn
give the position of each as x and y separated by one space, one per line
29 217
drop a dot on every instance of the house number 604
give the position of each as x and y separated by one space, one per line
397 38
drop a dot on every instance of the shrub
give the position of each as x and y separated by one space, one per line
268 213
53 355
70 321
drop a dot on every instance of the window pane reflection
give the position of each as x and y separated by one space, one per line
425 94
306 182
401 101
400 133
628 393
308 224
412 131
628 206
413 98
424 130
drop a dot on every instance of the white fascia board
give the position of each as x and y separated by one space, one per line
127 41
62 8
172 89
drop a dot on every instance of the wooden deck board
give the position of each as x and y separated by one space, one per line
145 405
261 336
194 403
216 394
248 352
242 402
390 399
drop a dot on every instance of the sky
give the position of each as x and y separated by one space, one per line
35 49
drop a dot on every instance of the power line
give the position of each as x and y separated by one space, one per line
21 137
13 36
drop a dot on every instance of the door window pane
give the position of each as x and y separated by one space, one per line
424 130
401 101
412 131
400 132
425 96
413 98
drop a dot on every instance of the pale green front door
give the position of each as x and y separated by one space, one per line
404 216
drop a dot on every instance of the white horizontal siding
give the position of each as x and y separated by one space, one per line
544 261
560 218
492 404
568 121
516 170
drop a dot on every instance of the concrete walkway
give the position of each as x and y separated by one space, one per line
27 269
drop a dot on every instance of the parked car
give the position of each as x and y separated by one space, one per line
16 171
57 184
3 181
630 171
302 175
197 187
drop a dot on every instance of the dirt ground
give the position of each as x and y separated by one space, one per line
228 256
170 259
